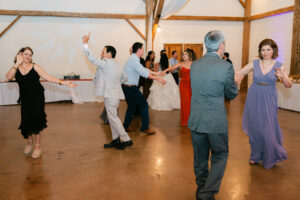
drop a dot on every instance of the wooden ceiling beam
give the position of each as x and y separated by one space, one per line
242 3
70 14
10 25
273 12
205 18
136 29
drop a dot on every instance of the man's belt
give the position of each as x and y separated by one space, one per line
124 85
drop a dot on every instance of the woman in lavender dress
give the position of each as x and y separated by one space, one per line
260 119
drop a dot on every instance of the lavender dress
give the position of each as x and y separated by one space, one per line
260 119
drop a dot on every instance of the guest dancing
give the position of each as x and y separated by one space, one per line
133 96
149 64
32 99
260 118
164 97
212 79
185 84
110 89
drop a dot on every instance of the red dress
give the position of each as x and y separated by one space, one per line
185 95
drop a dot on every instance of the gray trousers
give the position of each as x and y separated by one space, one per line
116 126
209 180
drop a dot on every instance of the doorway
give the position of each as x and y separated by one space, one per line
197 48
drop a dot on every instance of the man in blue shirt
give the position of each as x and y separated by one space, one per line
173 61
134 98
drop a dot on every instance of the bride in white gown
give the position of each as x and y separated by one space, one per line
164 97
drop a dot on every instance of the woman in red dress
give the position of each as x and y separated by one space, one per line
188 57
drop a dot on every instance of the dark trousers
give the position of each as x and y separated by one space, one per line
209 180
176 77
135 99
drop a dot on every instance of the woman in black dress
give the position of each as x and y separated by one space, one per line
33 117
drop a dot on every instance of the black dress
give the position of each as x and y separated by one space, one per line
32 99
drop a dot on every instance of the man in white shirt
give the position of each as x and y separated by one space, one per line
108 84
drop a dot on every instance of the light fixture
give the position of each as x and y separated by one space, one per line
158 29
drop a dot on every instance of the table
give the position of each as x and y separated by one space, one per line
84 92
289 98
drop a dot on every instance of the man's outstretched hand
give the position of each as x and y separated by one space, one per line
85 38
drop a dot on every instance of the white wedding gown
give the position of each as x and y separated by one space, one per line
164 97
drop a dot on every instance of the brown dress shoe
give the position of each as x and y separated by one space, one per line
149 131
129 129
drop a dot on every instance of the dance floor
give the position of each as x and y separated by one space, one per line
74 165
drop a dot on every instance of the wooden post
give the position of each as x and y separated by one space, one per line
149 11
156 19
246 41
295 59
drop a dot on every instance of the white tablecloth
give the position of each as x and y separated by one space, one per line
289 98
84 92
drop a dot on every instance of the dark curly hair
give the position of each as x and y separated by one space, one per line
272 44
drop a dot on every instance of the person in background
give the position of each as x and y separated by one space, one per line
163 51
164 97
173 61
146 83
226 57
188 57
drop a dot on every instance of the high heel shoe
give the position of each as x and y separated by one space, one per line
251 162
37 152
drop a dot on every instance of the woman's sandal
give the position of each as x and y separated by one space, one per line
253 162
37 152
28 148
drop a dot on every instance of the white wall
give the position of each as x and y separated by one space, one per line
56 42
194 32
176 31
278 27
230 8
261 6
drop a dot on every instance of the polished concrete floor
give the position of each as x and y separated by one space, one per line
74 165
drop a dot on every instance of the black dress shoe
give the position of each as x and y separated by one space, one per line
114 143
123 145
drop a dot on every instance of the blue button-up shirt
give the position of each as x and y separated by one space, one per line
133 69
173 61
